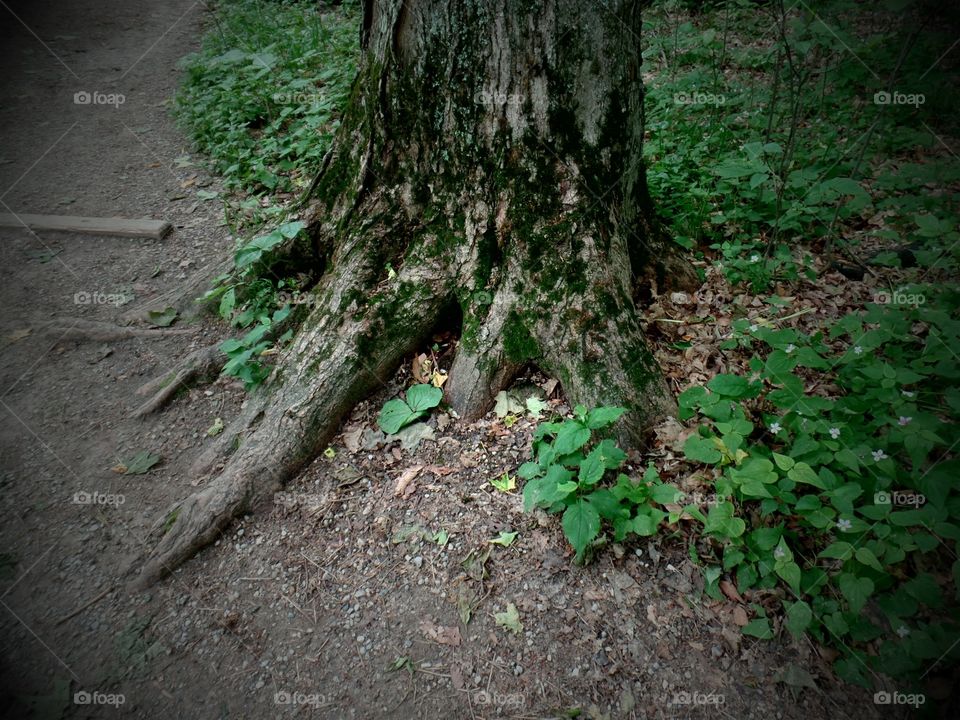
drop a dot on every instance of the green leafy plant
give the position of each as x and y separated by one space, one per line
245 353
848 502
570 474
263 96
758 147
398 413
249 300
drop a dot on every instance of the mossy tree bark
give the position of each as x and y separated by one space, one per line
491 155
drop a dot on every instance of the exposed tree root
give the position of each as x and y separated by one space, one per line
346 351
80 330
183 298
202 364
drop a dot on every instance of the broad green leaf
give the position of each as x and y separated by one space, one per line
855 589
758 628
784 462
601 417
720 521
572 436
866 556
529 470
291 229
925 589
665 494
801 472
799 617
612 456
421 398
552 487
701 449
591 469
646 524
765 539
227 303
606 502
838 550
735 386
394 415
581 524
790 573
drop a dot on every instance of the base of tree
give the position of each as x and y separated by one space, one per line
531 217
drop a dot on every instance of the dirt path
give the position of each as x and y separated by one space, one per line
340 600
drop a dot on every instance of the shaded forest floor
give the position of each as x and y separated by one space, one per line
353 594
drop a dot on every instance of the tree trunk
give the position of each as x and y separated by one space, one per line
491 155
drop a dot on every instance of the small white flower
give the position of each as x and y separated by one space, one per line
857 350
834 433
790 348
775 428
879 455
844 524
907 393
904 420
779 553
754 258
903 631
754 328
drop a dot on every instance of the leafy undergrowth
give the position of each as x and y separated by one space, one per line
816 465
262 99
817 457
773 135
263 96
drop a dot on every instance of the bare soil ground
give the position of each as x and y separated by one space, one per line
341 599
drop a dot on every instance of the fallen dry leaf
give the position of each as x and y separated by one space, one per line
740 616
422 368
406 478
441 635
351 440
730 590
